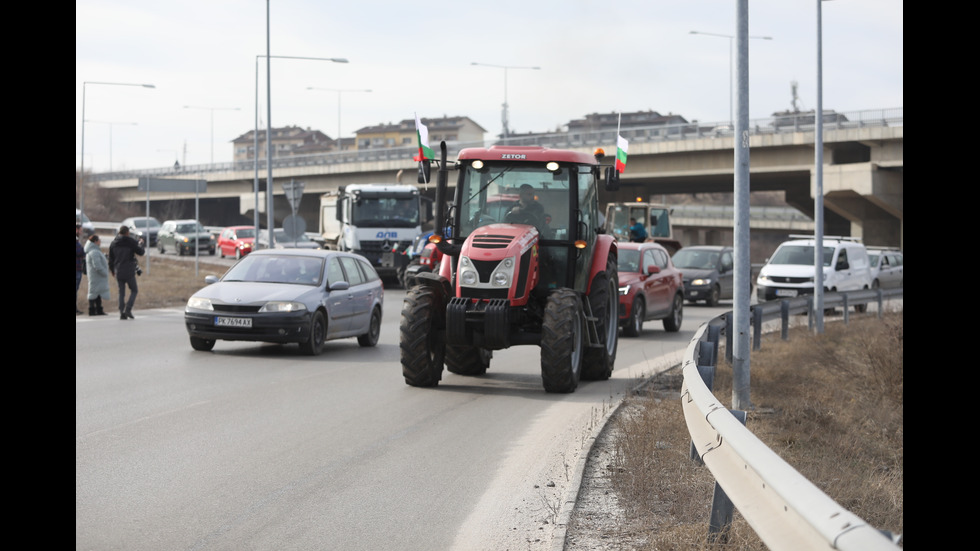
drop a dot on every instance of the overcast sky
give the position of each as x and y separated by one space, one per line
594 57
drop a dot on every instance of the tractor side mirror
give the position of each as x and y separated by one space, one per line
612 179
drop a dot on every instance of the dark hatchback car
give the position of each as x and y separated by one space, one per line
146 227
709 273
304 296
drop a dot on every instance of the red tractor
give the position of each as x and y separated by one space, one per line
539 272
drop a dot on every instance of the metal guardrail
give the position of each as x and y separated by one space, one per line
801 122
786 510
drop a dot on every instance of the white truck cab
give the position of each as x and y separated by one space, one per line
789 272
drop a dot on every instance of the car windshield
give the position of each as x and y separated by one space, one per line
146 222
189 228
629 260
296 270
244 233
694 259
801 255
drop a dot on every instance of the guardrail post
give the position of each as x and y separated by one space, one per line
722 508
846 310
809 312
707 359
756 328
881 304
784 317
729 329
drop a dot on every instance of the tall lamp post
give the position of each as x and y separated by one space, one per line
731 70
339 92
255 147
111 124
503 118
81 174
212 110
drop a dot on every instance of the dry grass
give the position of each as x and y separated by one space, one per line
168 283
830 405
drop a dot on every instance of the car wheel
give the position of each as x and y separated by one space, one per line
875 284
221 252
714 297
161 249
672 323
318 333
203 345
180 251
374 330
238 253
635 324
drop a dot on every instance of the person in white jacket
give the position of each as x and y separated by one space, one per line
98 276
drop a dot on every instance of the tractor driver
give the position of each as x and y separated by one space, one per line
527 210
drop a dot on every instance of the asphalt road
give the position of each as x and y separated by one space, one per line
255 446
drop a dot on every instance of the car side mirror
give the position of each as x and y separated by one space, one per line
339 286
653 269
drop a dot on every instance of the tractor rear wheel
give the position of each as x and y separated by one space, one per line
562 341
604 301
422 351
467 360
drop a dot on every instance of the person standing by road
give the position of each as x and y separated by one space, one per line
123 265
79 264
97 268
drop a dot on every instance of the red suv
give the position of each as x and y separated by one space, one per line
650 288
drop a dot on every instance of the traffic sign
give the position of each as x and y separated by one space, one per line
294 226
294 193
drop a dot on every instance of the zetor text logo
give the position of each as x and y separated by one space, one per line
513 156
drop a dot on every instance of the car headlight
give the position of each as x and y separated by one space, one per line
283 306
763 280
701 281
624 290
198 303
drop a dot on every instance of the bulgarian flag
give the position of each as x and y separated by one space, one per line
425 152
621 147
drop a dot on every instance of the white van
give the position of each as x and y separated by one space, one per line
789 271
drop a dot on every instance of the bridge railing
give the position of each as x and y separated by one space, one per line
786 510
799 122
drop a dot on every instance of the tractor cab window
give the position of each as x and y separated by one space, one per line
492 195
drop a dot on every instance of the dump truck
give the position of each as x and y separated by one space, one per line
526 275
655 218
377 221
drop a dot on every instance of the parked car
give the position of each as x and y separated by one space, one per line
283 241
181 236
236 241
289 296
886 267
146 227
790 272
650 288
709 273
87 227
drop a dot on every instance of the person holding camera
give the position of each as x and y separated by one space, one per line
124 265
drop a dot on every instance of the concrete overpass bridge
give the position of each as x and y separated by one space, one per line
862 174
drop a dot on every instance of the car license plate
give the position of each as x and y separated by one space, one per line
387 259
785 292
233 322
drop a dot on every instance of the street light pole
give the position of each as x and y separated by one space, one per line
111 124
212 109
255 146
339 92
731 69
504 121
81 174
